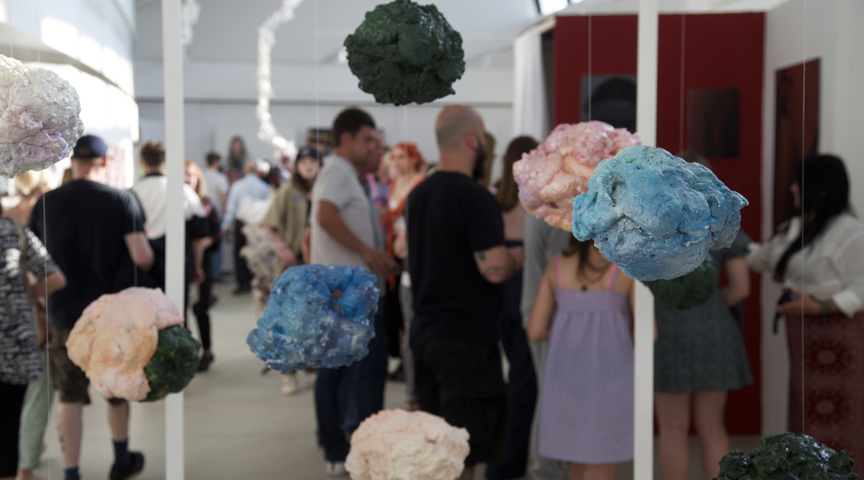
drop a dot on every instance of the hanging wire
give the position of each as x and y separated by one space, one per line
317 93
590 93
11 35
801 189
48 392
682 89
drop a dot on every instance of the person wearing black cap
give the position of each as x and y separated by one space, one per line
94 230
286 221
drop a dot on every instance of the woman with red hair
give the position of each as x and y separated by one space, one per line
408 170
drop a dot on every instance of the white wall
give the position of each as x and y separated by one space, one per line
89 43
98 33
210 125
795 31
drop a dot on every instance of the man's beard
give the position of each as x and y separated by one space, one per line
479 163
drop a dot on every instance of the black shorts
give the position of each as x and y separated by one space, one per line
463 382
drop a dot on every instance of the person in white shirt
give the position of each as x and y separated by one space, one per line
217 182
151 191
250 187
819 258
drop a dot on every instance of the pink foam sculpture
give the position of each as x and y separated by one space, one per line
401 445
551 175
115 338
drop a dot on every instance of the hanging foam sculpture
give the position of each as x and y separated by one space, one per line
39 122
317 316
655 215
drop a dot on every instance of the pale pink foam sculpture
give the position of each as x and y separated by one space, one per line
559 168
115 338
401 445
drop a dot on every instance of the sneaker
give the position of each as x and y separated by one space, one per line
136 464
289 384
336 469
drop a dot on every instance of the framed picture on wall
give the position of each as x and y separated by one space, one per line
321 139
714 121
796 129
610 99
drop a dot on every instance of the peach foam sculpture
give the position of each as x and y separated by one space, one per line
116 337
401 445
559 168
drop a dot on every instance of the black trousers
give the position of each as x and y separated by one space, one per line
521 386
201 309
11 402
241 269
463 383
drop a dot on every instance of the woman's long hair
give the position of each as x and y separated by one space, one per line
585 269
508 191
201 184
303 184
824 188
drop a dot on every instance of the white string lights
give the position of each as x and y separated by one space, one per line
189 13
266 39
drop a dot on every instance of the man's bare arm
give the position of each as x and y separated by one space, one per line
332 223
139 249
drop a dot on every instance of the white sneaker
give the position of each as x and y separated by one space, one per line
289 384
336 469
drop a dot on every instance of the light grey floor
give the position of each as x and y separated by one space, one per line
237 424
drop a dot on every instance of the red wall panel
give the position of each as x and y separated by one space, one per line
722 51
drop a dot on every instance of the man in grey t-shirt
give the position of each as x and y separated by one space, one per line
346 231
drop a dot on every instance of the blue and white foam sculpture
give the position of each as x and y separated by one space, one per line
655 215
317 316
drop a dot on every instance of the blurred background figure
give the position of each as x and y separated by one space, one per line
521 377
486 178
285 224
36 408
236 159
819 258
29 186
194 177
217 191
407 165
251 187
699 356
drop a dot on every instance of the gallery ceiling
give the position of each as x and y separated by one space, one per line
226 30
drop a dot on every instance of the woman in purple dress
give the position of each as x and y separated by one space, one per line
586 405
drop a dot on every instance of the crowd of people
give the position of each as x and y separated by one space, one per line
466 278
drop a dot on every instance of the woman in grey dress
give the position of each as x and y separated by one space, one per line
698 357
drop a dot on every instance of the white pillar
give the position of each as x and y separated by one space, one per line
646 125
175 234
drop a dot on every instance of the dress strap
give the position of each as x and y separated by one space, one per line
558 271
612 277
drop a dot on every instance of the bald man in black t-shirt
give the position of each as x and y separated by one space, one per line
458 262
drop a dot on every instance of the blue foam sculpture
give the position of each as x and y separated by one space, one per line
317 316
655 215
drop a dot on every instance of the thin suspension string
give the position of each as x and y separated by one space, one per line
590 93
48 392
801 189
11 35
317 94
682 89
